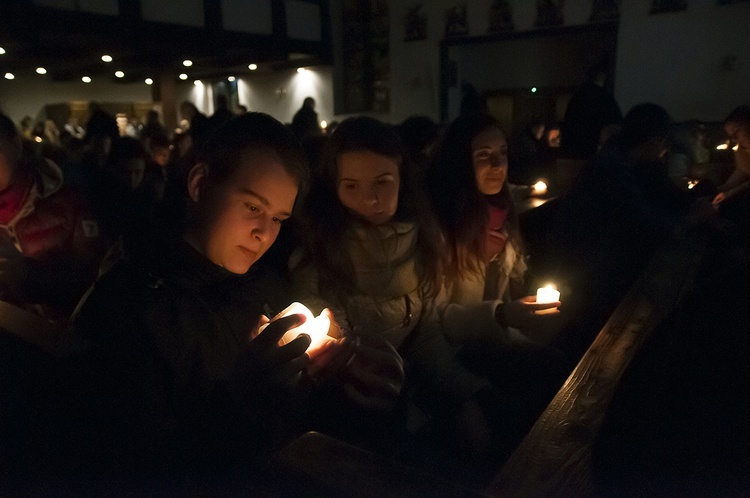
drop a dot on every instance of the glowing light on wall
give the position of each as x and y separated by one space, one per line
119 74
86 79
41 70
202 95
10 76
183 76
301 70
736 147
722 147
231 79
149 81
187 63
324 124
2 51
106 58
252 67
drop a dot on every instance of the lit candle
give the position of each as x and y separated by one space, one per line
547 294
692 184
539 188
316 327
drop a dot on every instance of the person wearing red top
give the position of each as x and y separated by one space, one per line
49 243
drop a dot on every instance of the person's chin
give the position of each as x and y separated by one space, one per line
378 219
242 263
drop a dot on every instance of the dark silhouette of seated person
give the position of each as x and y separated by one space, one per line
590 116
420 134
527 155
305 121
191 392
620 209
49 241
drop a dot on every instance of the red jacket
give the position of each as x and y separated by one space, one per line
59 240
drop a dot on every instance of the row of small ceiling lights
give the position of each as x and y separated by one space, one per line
121 74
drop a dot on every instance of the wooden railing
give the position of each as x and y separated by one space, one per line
555 457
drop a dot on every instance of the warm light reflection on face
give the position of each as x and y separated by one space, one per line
241 218
489 156
368 185
738 133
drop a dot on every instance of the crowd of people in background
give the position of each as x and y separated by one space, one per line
167 254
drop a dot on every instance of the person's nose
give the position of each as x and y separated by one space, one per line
370 197
261 230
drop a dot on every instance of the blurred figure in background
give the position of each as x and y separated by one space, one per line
50 243
591 115
305 121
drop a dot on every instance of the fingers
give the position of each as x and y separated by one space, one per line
276 329
530 301
288 374
374 381
261 321
335 329
388 361
293 349
331 356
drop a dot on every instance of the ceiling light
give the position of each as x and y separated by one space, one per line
187 63
183 76
197 82
149 81
106 58
231 78
119 74
301 69
2 50
41 70
533 90
10 76
252 67
86 79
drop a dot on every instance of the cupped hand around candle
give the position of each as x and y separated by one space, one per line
522 313
329 355
265 363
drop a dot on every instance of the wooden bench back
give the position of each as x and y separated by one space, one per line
555 457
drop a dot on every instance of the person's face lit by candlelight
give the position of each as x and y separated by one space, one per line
489 156
239 218
738 133
368 185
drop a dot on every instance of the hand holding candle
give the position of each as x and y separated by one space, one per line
316 327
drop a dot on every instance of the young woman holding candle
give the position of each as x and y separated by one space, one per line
498 330
191 385
485 268
374 257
